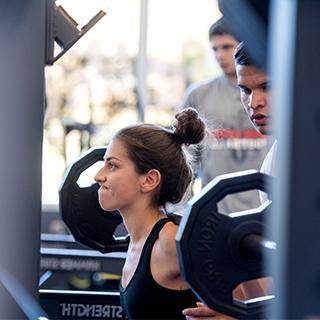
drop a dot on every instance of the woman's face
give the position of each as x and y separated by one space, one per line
119 182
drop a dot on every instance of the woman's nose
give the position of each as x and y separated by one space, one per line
99 177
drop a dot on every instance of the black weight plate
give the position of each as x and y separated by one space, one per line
206 254
81 211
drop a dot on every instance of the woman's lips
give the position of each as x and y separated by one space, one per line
104 189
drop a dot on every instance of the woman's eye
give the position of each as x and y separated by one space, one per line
111 165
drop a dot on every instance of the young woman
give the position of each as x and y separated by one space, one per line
145 168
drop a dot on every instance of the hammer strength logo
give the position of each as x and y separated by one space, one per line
91 310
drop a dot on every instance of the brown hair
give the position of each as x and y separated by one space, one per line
155 147
220 28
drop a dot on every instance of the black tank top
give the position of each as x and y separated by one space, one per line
144 298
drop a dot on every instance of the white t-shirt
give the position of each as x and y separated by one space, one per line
268 167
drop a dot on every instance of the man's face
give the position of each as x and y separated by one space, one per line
254 85
223 47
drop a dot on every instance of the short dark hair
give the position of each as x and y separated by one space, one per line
242 56
219 28
155 147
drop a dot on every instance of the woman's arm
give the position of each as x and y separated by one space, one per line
164 259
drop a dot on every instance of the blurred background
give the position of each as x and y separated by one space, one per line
133 66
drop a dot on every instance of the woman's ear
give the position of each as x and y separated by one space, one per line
151 180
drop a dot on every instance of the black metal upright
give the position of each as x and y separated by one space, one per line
22 39
295 72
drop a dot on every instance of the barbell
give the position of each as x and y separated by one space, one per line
217 251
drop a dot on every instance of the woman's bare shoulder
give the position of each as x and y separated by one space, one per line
167 235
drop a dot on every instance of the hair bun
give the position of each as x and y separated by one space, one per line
188 127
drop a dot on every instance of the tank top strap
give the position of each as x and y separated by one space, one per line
153 236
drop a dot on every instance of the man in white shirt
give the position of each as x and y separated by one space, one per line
254 86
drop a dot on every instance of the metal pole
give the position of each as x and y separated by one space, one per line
295 70
142 60
22 36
